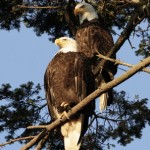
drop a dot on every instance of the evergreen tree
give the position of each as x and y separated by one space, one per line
123 120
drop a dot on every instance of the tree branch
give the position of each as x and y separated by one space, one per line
88 99
15 140
137 2
126 1
110 119
34 140
39 7
42 142
121 62
37 127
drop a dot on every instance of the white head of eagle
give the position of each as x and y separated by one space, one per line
66 44
85 12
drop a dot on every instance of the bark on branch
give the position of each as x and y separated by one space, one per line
121 62
15 140
88 99
42 142
39 7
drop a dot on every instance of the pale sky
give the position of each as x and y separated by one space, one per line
24 57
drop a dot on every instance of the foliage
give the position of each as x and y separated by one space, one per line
23 106
19 108
123 121
144 46
59 22
133 116
50 21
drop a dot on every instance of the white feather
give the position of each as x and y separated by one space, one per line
135 1
71 132
68 49
66 44
89 13
103 101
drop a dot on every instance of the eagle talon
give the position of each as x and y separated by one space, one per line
65 105
64 114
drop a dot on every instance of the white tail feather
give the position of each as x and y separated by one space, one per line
103 101
71 132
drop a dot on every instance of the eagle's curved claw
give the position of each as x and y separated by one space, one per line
64 114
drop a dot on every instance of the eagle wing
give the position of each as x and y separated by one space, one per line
49 94
84 85
102 42
93 38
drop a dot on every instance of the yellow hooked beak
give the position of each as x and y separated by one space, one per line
78 11
58 42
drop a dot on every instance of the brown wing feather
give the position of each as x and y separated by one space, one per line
91 37
67 81
84 85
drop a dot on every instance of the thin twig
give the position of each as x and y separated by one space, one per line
39 7
106 118
34 140
39 108
121 62
15 140
131 44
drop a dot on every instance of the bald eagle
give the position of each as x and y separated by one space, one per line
92 36
68 80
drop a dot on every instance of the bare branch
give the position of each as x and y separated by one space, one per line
15 140
121 62
34 140
135 2
107 118
126 1
39 7
37 127
88 99
42 142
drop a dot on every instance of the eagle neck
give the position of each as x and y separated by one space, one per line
94 22
68 49
88 16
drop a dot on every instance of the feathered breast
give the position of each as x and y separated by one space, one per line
68 79
91 36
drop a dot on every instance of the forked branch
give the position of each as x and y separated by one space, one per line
119 62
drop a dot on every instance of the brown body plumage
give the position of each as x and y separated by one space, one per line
68 79
92 38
